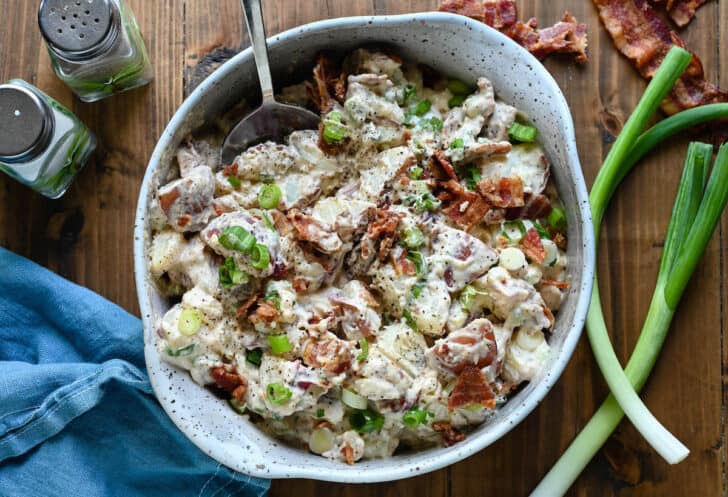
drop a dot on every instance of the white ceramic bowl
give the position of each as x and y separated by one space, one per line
458 47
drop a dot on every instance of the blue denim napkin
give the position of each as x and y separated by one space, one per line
77 413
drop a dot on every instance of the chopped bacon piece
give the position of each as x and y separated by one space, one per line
683 11
507 192
300 285
471 388
537 207
469 8
562 285
473 345
560 241
243 309
226 380
309 229
240 391
348 454
441 168
334 355
533 247
566 36
450 436
382 229
402 265
325 77
230 170
644 38
500 14
465 208
265 312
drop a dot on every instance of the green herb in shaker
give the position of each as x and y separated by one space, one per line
95 46
42 144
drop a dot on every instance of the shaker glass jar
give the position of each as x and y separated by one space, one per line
42 144
95 46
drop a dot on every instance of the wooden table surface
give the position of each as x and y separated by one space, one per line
87 237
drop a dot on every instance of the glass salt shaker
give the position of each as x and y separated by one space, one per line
96 46
42 144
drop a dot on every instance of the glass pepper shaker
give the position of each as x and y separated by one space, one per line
96 47
42 144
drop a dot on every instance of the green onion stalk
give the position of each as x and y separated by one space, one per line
693 221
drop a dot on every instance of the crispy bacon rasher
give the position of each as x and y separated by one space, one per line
683 11
644 38
506 192
566 36
471 388
532 246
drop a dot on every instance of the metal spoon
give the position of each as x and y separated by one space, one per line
272 120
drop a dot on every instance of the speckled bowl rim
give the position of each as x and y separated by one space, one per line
418 462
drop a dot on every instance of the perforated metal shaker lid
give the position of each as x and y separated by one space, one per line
75 26
26 124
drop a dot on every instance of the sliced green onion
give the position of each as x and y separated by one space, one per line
457 87
334 130
409 319
416 172
353 399
431 123
409 94
267 178
413 238
542 233
366 421
420 262
237 238
189 322
268 221
474 177
456 101
457 143
234 181
522 133
321 440
272 296
422 108
279 344
557 219
467 297
187 350
417 288
254 356
229 275
278 393
415 417
270 196
260 258
426 202
319 413
364 346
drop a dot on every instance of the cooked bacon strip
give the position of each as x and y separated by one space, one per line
265 312
537 207
567 36
644 38
507 192
471 388
309 229
348 453
450 436
402 265
243 309
532 246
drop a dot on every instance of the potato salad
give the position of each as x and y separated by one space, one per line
383 283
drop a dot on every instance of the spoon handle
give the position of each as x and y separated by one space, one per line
256 31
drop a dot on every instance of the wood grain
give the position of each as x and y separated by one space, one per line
87 237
